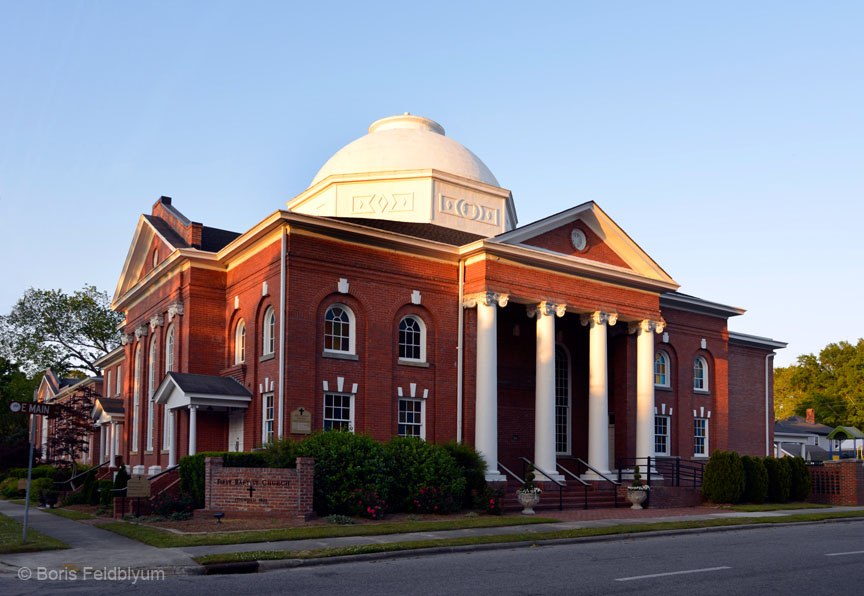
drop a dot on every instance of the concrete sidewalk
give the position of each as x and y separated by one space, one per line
623 518
89 547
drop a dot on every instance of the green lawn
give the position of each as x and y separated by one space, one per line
10 538
69 513
776 507
521 537
164 539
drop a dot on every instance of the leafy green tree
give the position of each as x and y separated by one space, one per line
14 386
832 384
52 329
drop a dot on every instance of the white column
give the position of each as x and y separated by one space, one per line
645 385
193 429
113 441
544 400
598 392
172 439
102 453
486 411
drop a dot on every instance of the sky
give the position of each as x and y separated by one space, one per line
726 138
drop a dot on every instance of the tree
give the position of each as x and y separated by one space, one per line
72 429
14 386
51 329
832 384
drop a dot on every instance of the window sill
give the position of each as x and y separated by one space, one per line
662 388
339 355
701 392
700 457
165 452
417 363
267 357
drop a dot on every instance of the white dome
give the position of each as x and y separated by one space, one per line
406 142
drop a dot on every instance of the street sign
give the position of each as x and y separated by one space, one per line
33 407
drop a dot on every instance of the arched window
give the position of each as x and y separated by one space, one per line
700 374
169 366
269 334
339 329
136 396
412 339
661 369
240 342
562 401
151 389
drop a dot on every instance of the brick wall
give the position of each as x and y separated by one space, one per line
277 490
667 497
837 483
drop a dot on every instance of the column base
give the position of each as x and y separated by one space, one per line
540 477
591 476
495 476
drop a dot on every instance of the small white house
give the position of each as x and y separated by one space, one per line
799 435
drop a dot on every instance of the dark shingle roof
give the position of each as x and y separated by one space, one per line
173 238
799 425
214 239
417 230
208 384
111 405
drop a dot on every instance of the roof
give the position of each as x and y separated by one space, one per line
417 230
167 232
208 384
214 239
755 341
686 302
111 405
798 425
846 432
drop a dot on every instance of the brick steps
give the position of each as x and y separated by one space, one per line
573 496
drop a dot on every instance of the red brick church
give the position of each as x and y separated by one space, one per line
397 295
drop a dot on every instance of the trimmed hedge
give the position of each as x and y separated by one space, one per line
779 479
472 467
755 480
801 480
723 481
192 469
425 478
38 472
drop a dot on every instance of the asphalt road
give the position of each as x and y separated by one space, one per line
803 559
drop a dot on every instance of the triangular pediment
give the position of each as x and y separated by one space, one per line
139 259
586 233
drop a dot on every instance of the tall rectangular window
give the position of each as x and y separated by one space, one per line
108 383
411 418
562 401
661 435
119 381
700 436
337 411
269 417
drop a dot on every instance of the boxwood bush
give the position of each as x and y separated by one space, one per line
779 479
723 481
801 480
424 476
755 480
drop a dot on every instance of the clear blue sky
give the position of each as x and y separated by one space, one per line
726 139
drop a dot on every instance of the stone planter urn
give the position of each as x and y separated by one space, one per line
636 496
528 499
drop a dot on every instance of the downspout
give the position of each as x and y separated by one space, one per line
768 416
460 359
280 426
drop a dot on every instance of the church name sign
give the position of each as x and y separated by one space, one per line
261 490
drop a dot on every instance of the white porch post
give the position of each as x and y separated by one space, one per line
544 400
193 429
598 391
486 414
102 453
645 385
172 439
113 440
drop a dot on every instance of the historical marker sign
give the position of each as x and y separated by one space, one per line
138 486
301 421
33 407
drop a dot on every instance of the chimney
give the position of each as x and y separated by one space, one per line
811 416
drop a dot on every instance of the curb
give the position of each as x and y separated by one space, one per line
275 564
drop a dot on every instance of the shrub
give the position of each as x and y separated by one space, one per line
471 467
755 480
432 500
38 472
105 495
779 480
76 498
282 453
490 500
344 463
801 481
416 465
192 469
42 485
169 504
368 503
88 489
723 481
121 479
9 489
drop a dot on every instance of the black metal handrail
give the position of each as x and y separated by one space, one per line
511 472
58 483
163 472
584 484
605 478
560 485
681 472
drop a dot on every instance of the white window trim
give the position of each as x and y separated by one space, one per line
350 408
422 324
107 383
707 435
170 345
240 342
269 344
119 380
352 330
264 396
151 390
705 377
569 402
136 397
667 361
422 414
668 434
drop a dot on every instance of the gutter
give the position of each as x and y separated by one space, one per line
768 417
460 363
282 277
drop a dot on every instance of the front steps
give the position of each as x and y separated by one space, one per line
573 496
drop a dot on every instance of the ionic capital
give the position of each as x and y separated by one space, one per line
487 299
546 309
647 326
126 339
140 331
599 318
156 321
175 309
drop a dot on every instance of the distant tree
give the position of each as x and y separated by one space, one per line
73 426
14 386
51 329
832 384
